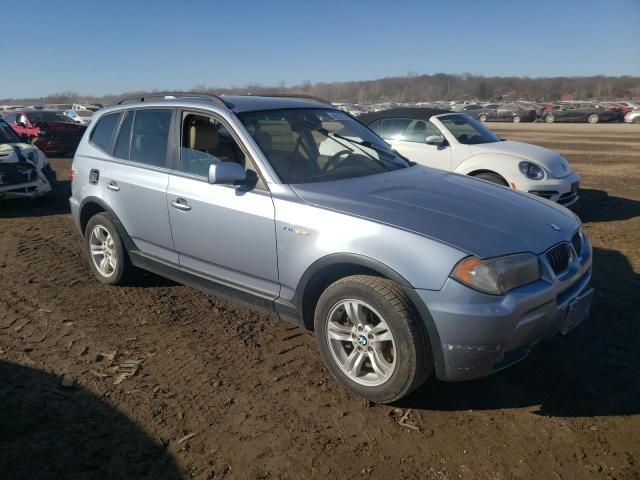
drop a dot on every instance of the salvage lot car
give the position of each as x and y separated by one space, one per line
51 131
24 170
400 269
456 142
579 112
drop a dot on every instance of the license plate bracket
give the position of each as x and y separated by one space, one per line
577 312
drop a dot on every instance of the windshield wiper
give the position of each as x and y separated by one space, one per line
335 136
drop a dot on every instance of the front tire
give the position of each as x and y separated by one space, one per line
370 338
516 119
492 177
550 118
105 251
593 118
482 118
636 120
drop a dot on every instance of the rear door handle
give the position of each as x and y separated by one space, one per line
181 204
113 186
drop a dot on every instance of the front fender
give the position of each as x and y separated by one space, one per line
504 165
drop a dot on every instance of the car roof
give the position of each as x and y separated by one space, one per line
415 113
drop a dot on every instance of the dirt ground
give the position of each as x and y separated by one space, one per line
159 381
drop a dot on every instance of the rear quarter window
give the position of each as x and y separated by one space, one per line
102 134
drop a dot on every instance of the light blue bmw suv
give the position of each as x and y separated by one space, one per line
294 207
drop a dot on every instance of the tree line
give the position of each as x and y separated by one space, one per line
415 88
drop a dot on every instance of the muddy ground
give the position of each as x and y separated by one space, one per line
159 381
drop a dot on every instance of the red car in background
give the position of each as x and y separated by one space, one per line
51 131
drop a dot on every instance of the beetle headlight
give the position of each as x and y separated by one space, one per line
497 275
531 170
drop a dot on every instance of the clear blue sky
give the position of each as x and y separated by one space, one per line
112 46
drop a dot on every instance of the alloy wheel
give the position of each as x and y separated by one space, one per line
361 342
103 251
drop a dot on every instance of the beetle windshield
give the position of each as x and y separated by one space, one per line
316 145
468 130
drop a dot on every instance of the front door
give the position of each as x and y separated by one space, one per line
226 232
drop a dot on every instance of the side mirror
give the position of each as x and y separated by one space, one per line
435 140
226 173
21 124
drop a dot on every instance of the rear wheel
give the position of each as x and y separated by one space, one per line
516 119
482 118
550 118
105 250
636 120
593 118
492 177
370 339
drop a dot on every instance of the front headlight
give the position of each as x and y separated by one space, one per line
497 275
531 170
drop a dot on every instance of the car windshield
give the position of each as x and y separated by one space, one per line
7 134
468 130
317 145
36 117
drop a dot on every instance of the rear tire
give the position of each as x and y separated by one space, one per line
516 119
371 340
482 118
492 177
105 251
593 118
550 118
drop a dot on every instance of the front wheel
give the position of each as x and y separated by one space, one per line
636 120
516 119
593 118
549 118
370 339
482 118
492 177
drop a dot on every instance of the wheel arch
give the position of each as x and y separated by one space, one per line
331 268
91 206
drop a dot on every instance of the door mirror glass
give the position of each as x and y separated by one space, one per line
20 123
435 140
226 173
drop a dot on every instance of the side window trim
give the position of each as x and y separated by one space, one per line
249 163
119 130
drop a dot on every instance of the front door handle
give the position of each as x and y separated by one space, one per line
113 186
181 204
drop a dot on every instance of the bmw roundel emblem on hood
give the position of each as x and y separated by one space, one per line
555 227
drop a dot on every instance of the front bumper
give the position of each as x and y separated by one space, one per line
481 334
564 191
44 183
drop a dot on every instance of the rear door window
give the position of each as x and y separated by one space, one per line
102 134
149 137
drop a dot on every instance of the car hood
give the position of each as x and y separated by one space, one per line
550 160
8 153
475 216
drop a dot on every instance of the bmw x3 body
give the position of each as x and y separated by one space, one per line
401 270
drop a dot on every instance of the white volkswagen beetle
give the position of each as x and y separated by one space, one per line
459 143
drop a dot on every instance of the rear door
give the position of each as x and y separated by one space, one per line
135 180
408 136
226 232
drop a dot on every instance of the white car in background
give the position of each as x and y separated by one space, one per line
632 117
459 143
83 117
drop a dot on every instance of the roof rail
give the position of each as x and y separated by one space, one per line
163 95
293 95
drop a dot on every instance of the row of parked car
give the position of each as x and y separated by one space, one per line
521 111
